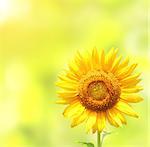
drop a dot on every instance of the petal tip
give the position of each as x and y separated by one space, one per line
141 99
61 102
137 116
73 125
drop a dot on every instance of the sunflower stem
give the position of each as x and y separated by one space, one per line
99 139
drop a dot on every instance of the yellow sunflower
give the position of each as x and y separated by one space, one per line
98 88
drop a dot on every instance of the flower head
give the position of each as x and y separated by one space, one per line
98 88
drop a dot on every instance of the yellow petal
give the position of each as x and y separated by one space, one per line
122 65
90 121
79 119
81 63
101 120
102 59
111 58
132 98
130 84
94 129
67 94
74 70
116 64
71 76
79 113
67 86
72 109
120 116
111 120
125 108
95 56
126 72
67 101
66 79
113 115
62 102
132 90
130 78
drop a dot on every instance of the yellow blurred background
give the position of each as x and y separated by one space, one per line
37 39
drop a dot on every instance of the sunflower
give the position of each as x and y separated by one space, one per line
98 88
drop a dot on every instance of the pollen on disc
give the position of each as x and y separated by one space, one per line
97 90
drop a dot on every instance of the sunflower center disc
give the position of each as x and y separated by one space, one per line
97 90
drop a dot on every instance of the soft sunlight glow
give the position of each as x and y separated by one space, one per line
5 9
13 9
4 6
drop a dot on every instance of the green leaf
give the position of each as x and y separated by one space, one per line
89 144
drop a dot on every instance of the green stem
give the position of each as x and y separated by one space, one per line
98 139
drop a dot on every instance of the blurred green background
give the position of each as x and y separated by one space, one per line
37 39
